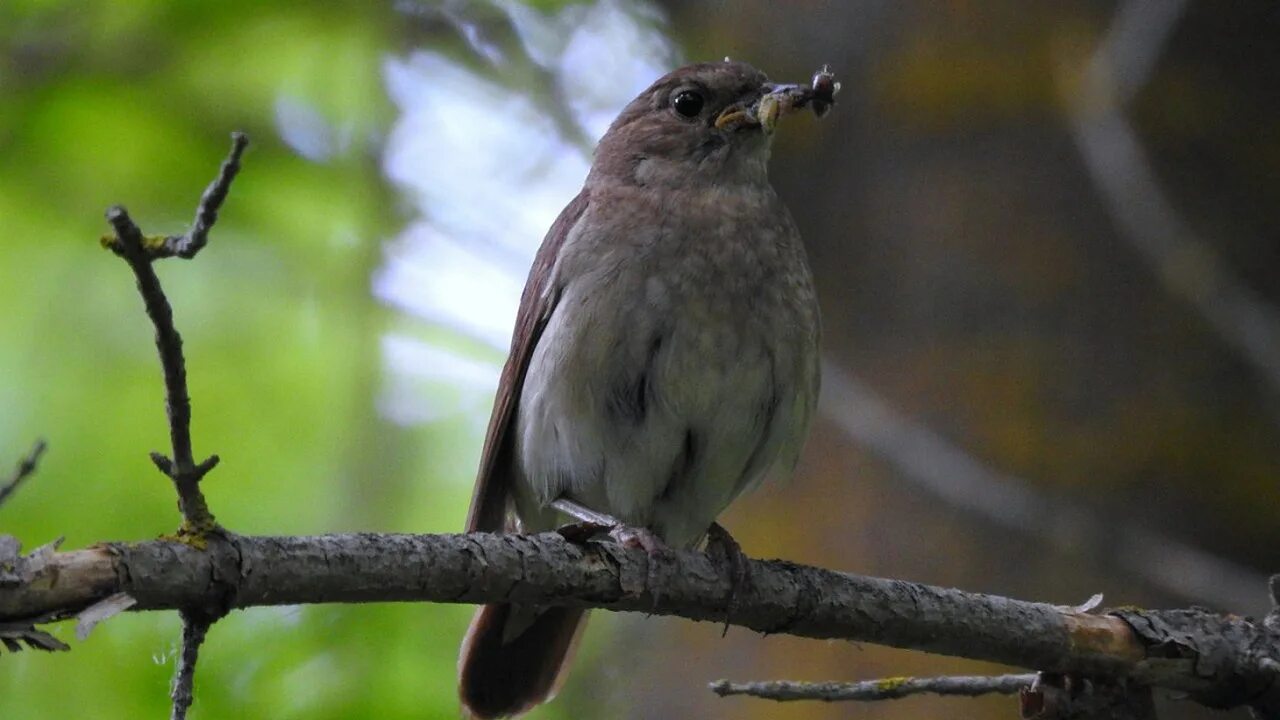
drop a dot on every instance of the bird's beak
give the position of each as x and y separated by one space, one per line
764 112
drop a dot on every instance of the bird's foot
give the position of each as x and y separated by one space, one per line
637 537
724 549
591 523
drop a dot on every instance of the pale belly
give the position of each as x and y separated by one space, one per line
662 411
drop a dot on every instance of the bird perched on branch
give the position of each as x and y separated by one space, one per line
665 354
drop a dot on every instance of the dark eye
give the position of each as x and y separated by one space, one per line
688 103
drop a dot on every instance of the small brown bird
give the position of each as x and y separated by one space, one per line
665 354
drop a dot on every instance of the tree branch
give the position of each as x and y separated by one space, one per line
1219 660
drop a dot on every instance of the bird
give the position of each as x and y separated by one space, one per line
664 358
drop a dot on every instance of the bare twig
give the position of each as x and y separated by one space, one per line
194 630
139 252
188 245
24 470
182 469
883 689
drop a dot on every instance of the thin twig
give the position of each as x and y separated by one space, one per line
24 470
194 630
181 469
186 246
139 252
189 244
883 689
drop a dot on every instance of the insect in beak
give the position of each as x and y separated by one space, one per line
781 100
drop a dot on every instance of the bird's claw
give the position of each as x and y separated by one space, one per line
726 550
637 537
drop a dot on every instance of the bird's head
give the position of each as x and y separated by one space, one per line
705 123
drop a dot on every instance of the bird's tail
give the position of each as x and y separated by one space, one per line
515 657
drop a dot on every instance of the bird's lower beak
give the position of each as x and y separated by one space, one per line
735 116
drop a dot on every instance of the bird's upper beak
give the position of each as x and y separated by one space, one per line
776 101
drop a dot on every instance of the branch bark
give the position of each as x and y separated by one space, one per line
1219 660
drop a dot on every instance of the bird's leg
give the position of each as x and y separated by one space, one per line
625 535
722 546
589 522
582 513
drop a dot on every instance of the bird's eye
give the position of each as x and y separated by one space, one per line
688 103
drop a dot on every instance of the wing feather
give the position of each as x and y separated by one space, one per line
537 302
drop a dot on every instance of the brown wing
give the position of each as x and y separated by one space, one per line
497 466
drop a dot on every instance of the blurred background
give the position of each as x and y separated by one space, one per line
1045 237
